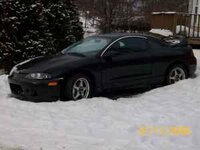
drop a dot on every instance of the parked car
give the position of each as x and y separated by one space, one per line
103 62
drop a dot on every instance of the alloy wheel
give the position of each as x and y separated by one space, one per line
81 89
177 74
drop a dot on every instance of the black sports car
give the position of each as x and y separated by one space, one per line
103 62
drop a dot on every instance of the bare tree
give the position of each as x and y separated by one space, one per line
108 12
164 5
114 12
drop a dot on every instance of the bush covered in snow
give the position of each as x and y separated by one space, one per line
36 27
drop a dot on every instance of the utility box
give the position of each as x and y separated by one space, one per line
164 20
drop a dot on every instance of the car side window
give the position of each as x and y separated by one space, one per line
129 45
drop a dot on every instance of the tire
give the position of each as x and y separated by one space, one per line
176 74
78 87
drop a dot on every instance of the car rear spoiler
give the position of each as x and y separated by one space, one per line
176 41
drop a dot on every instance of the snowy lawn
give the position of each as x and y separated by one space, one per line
103 124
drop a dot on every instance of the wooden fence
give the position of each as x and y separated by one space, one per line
179 23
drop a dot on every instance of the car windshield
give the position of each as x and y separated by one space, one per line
88 46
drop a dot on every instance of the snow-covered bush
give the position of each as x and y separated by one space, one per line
30 28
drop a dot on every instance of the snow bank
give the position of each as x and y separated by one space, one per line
161 32
101 123
180 30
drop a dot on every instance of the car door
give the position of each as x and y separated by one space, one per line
127 63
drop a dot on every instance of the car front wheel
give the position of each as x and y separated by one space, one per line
176 74
78 87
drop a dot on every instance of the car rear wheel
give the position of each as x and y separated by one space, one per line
78 87
176 74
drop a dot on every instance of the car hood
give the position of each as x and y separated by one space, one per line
48 64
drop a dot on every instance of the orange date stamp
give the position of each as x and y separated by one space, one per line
165 131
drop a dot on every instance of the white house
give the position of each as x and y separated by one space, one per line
194 6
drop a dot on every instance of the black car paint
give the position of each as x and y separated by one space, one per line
121 71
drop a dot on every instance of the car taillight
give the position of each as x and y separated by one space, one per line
192 59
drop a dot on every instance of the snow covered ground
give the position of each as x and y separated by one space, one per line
101 123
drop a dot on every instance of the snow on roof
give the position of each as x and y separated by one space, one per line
169 12
162 32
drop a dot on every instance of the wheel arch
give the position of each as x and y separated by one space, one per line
178 62
87 73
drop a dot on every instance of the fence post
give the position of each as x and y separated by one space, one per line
198 26
175 23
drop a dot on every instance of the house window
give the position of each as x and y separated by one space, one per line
196 10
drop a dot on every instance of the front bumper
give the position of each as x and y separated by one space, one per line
34 90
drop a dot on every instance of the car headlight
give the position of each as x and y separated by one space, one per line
38 76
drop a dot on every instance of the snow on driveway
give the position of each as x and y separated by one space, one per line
103 124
